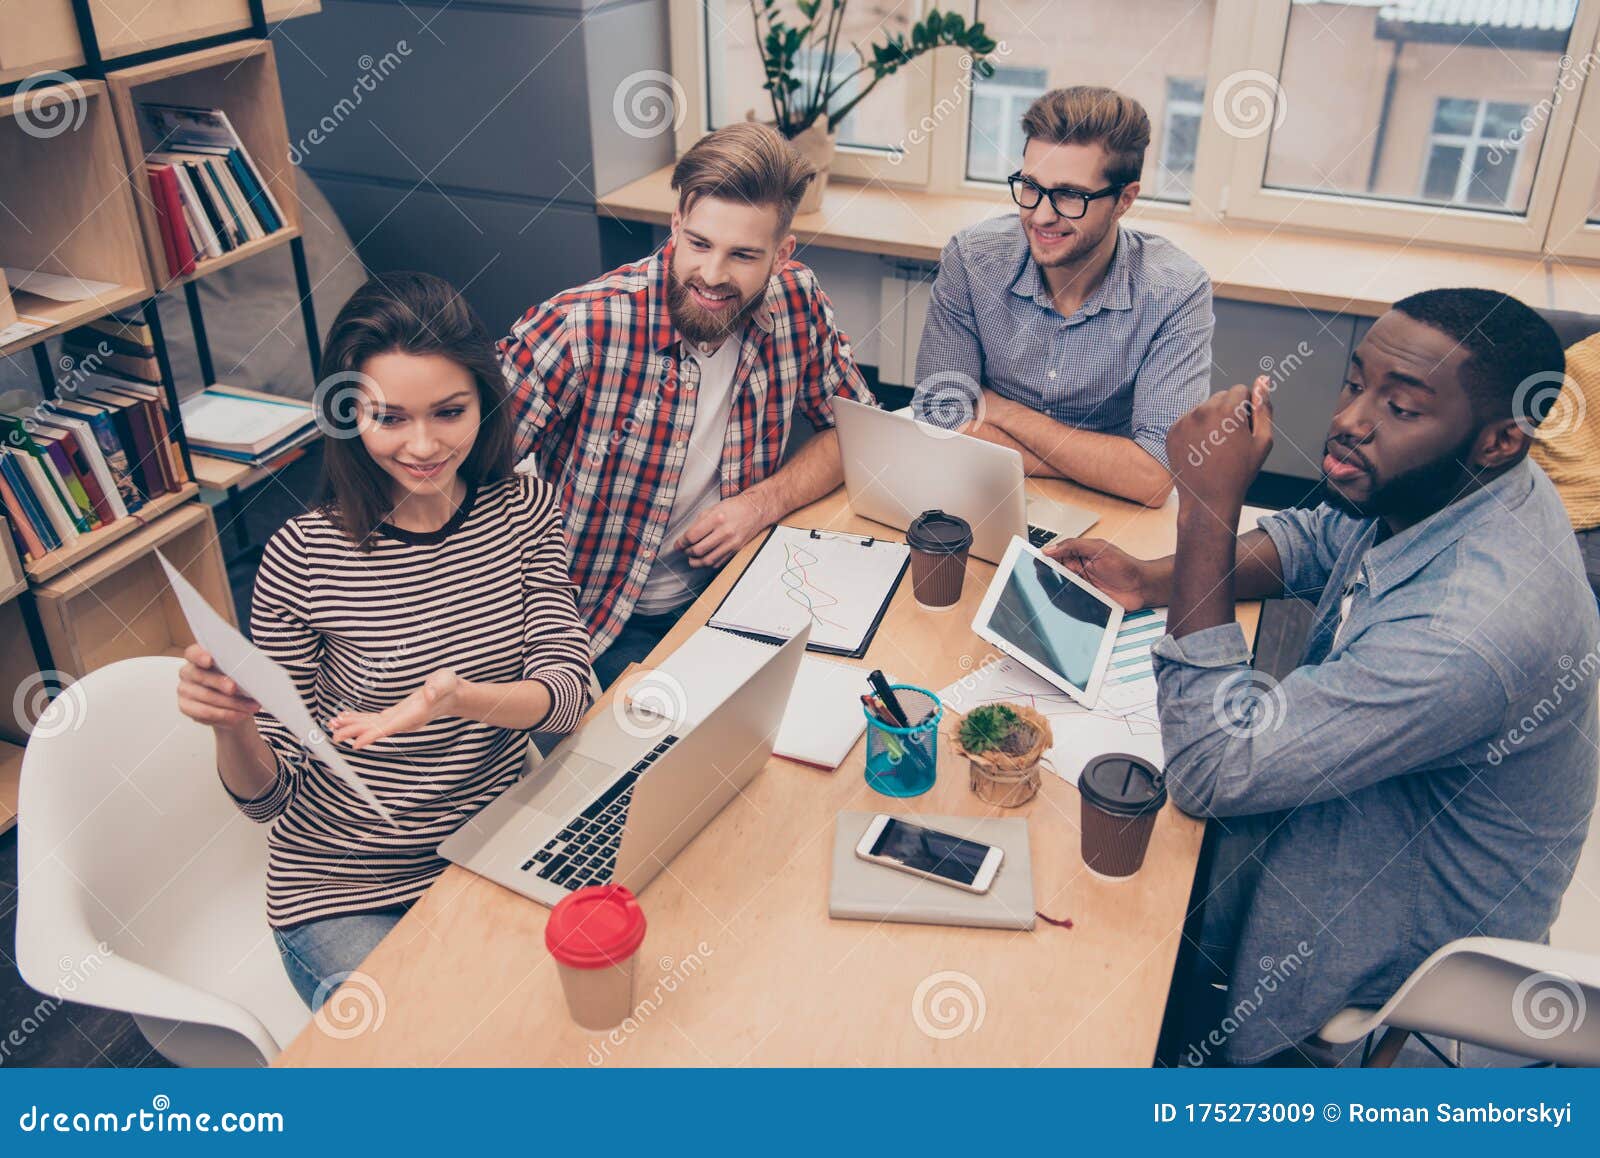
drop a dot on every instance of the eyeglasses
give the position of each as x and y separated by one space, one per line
1068 203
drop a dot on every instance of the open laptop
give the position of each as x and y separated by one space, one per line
896 467
625 793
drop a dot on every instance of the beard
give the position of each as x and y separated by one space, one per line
699 324
1082 245
1414 495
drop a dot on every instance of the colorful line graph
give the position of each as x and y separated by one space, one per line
799 588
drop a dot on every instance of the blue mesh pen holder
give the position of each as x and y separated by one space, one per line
903 761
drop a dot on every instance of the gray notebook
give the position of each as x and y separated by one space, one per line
863 891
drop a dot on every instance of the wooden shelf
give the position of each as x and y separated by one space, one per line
13 580
1254 263
119 604
10 783
87 546
69 208
39 35
241 79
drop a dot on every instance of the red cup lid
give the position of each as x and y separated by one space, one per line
595 927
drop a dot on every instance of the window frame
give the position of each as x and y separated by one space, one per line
1571 233
1470 144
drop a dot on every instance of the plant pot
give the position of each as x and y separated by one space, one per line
1010 781
816 145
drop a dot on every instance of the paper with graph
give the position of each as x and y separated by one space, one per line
263 681
837 583
1122 720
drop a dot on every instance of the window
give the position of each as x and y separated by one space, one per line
994 146
1472 152
1367 105
1180 136
734 73
1133 46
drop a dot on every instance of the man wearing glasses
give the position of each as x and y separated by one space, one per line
1058 332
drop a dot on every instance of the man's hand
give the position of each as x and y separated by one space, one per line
1216 450
716 536
1126 579
435 698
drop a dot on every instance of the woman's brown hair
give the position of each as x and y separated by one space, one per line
400 313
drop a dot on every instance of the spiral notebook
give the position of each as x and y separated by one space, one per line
839 583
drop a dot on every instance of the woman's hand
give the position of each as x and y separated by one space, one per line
434 699
207 696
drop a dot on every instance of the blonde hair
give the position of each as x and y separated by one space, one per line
746 162
1090 115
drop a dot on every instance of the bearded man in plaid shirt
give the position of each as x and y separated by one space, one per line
660 397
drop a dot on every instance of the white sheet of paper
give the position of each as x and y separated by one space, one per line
20 329
57 287
263 680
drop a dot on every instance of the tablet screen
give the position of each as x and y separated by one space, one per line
1051 619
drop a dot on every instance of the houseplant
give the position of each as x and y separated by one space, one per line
1004 745
810 82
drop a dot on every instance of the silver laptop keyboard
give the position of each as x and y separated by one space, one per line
585 851
1039 536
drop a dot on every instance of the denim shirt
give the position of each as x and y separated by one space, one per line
1427 773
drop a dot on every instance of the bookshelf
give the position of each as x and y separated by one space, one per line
118 604
64 558
241 79
68 186
41 35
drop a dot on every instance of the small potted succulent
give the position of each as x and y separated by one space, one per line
1004 745
813 82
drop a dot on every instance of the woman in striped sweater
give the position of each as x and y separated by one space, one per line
425 613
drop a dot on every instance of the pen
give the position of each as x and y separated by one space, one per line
890 703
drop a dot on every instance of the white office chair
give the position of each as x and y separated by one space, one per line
1531 1000
128 840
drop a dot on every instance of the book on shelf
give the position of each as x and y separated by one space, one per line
245 428
209 197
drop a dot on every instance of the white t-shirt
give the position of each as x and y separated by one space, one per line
672 583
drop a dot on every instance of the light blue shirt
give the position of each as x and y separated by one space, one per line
1131 361
1429 771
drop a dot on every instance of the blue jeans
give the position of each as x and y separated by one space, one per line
639 637
319 955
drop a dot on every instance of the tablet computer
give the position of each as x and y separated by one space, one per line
1050 620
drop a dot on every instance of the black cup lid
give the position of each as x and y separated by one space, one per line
1123 785
939 532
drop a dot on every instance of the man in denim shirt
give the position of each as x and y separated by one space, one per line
1429 771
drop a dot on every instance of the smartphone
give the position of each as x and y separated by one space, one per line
926 852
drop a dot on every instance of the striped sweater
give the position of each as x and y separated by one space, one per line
488 596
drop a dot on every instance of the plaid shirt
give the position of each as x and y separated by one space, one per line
605 405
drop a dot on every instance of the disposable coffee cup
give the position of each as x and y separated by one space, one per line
939 544
1121 796
593 935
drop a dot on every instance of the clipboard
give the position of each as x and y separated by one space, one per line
793 578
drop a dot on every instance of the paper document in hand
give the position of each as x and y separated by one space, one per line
263 681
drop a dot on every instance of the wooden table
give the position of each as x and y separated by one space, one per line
743 966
